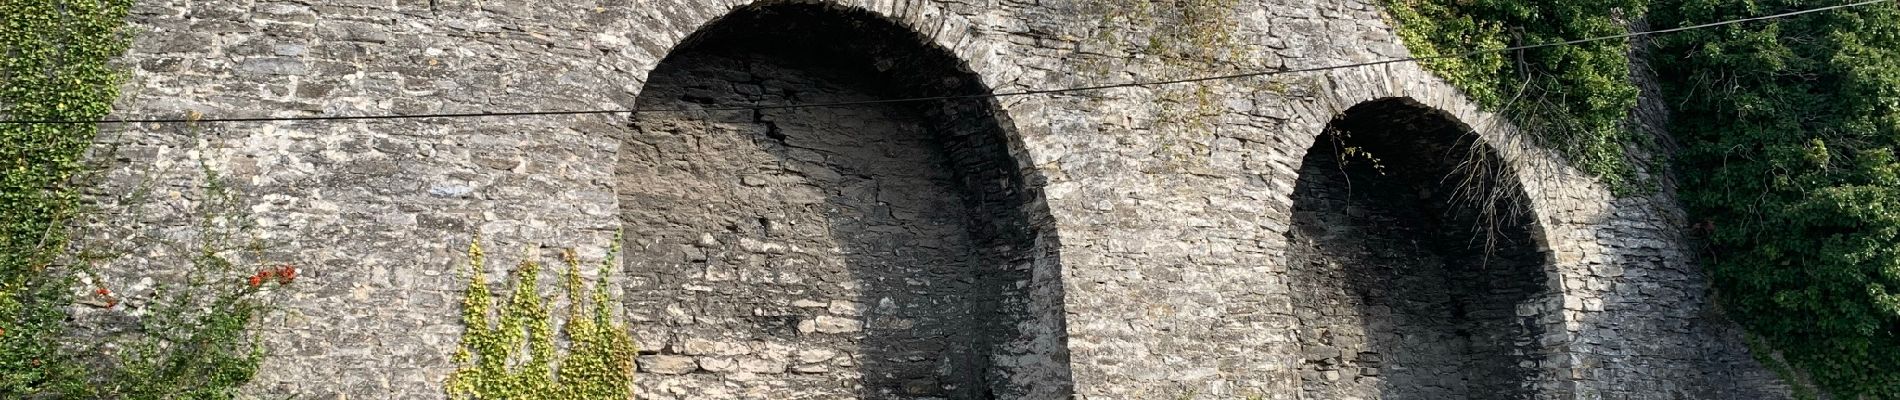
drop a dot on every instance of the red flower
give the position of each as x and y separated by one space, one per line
256 279
102 291
285 274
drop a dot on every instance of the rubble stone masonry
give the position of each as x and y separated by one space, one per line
1047 246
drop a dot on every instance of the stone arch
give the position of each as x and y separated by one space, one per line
876 250
1414 261
675 22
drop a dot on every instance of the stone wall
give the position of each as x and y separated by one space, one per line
1411 257
876 250
1032 247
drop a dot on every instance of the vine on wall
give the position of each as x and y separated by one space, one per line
510 352
54 58
192 336
189 338
1788 132
1573 98
1788 129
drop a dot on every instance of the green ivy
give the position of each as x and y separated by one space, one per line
193 341
1574 98
509 349
53 66
1788 132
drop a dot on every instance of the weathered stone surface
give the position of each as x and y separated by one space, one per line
828 324
667 365
810 356
1406 244
1037 247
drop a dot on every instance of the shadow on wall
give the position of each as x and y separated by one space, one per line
1648 324
1414 270
881 251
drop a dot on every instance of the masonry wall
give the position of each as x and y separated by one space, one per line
878 250
1411 256
1133 256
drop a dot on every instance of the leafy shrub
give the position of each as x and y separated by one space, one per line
1573 97
1788 130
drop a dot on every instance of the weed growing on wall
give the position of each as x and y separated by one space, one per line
1573 98
509 350
1788 131
192 337
53 65
1190 38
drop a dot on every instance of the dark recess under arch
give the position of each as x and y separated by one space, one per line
1411 253
905 236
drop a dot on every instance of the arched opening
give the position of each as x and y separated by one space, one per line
875 250
1412 261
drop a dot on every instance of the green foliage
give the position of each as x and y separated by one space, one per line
1573 97
1789 130
509 349
53 65
194 340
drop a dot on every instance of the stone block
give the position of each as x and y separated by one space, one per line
666 364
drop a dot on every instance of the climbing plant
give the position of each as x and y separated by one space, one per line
1573 98
54 65
1788 132
509 350
192 338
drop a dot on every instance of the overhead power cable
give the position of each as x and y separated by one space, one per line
969 96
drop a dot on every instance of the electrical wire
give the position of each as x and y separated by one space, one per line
969 96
